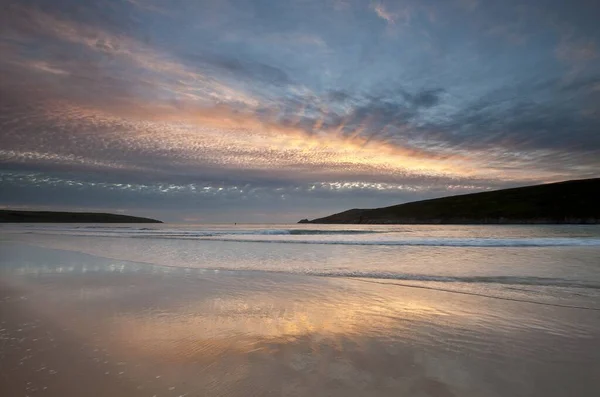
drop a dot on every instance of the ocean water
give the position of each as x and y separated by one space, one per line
549 264
300 310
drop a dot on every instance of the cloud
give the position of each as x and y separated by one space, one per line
181 136
217 140
383 13
303 97
241 69
552 136
373 134
338 96
285 40
375 112
393 14
576 51
425 98
103 48
525 124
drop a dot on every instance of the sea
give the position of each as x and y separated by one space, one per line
299 309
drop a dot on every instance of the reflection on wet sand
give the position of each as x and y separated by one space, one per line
250 342
130 329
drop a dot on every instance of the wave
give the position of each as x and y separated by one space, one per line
149 232
427 242
505 280
484 295
316 236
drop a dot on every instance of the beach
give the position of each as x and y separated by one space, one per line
227 317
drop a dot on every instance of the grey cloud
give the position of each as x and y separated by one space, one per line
258 71
339 96
425 98
527 123
240 68
372 112
515 119
586 85
113 15
378 113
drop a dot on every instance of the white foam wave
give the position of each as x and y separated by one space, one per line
425 242
506 280
312 236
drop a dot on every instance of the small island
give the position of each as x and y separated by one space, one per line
15 216
570 202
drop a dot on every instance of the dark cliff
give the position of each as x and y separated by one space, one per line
69 217
570 202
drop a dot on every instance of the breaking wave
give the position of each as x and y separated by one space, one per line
316 236
422 242
504 280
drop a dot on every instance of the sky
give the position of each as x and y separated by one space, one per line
274 111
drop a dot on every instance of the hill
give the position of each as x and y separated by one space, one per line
69 217
570 202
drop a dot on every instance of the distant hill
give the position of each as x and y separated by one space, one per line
570 202
69 217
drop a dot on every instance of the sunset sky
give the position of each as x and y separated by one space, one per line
273 111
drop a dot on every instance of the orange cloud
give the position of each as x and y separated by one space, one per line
222 137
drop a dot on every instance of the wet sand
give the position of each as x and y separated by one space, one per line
82 325
40 357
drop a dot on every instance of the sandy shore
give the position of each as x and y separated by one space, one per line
39 357
77 325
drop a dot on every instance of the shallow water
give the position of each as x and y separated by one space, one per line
552 264
169 311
